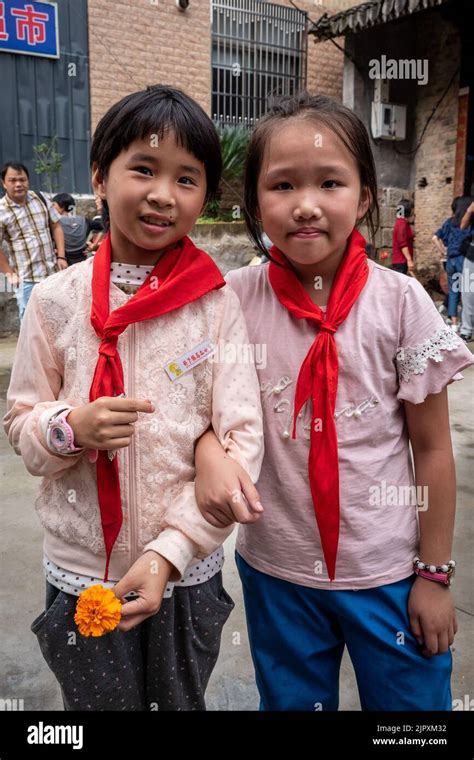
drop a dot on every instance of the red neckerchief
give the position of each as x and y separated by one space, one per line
318 377
183 274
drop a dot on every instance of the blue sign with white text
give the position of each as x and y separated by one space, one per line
29 28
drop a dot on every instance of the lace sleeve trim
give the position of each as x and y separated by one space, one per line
414 361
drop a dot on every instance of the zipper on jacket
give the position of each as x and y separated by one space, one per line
131 453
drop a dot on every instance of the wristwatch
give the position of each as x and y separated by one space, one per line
60 435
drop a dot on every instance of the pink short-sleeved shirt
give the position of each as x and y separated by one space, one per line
392 347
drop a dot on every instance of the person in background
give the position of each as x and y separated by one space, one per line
443 309
467 318
30 231
97 237
403 236
449 240
76 228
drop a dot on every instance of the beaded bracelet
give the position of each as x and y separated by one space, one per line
439 573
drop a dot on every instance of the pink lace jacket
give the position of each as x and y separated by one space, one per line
54 364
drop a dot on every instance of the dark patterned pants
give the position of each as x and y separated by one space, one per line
164 663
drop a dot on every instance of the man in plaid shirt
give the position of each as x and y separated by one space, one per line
28 225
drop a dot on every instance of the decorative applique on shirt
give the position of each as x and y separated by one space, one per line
356 411
285 406
414 360
276 388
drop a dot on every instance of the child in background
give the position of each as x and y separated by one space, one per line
443 281
76 228
467 324
402 238
96 239
449 240
358 366
111 386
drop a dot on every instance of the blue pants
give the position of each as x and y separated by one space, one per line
454 267
23 294
297 637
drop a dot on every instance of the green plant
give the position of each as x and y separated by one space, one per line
49 162
223 215
213 207
234 141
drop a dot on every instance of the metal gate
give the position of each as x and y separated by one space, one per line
258 49
43 97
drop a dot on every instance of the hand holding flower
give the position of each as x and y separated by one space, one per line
148 577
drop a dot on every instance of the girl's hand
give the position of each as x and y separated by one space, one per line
224 490
226 494
148 576
107 422
432 616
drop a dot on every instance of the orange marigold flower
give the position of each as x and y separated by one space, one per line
98 611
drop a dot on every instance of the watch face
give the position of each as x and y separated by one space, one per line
58 437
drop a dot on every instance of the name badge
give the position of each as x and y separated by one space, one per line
178 367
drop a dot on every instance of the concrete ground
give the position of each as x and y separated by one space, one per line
23 672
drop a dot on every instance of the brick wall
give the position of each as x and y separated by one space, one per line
138 42
325 62
133 43
438 41
440 158
388 198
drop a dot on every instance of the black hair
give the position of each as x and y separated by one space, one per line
323 110
14 165
461 206
454 203
153 111
65 201
407 206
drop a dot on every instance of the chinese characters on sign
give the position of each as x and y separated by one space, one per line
29 28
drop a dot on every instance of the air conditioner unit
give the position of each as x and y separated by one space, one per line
388 121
